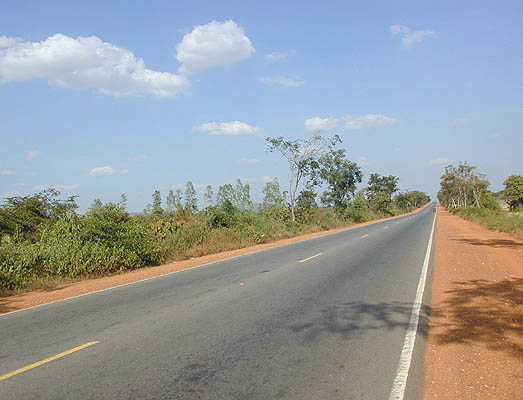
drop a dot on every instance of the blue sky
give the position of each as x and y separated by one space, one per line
102 98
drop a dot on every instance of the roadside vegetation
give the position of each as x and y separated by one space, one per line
44 240
465 192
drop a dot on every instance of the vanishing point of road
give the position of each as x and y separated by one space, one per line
325 318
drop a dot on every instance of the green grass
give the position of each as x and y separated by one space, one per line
494 220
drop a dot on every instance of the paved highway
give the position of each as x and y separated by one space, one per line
324 318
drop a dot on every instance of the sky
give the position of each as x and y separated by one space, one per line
102 98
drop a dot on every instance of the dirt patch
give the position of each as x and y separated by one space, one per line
44 296
475 343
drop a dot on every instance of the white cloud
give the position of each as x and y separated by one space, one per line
233 128
282 81
318 124
32 155
409 36
249 161
216 44
9 194
439 161
6 41
349 123
107 171
367 121
85 63
56 187
6 172
279 57
461 121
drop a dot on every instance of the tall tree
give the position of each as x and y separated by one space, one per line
171 202
191 202
272 194
123 201
225 194
302 156
242 195
462 186
156 207
208 196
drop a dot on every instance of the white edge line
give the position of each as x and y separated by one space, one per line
402 372
193 267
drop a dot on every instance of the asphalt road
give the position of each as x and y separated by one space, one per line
260 326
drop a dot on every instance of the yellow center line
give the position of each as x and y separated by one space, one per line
310 258
364 236
45 361
386 227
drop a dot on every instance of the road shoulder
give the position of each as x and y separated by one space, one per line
475 344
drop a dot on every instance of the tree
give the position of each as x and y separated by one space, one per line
242 196
156 207
123 201
191 202
461 186
225 194
513 193
341 177
272 195
380 189
25 215
97 203
208 195
171 202
178 198
302 156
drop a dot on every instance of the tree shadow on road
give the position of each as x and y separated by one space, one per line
480 311
350 319
496 243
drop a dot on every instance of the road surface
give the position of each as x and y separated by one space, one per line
324 318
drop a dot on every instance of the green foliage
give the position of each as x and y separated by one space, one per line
22 217
409 201
341 177
272 195
496 220
380 190
513 193
191 202
461 186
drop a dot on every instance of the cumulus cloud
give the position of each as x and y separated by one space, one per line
249 161
85 63
6 41
233 128
279 57
6 172
367 121
216 44
439 161
107 171
281 80
318 124
409 36
32 155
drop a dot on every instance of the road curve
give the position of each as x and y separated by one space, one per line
320 319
